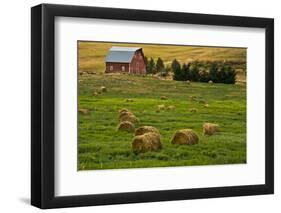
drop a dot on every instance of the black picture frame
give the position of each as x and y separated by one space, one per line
43 102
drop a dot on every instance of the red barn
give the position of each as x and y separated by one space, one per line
125 59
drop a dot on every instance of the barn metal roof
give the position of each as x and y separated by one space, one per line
121 54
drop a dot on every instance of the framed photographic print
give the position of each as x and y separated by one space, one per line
139 106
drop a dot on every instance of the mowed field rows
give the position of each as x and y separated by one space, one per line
100 146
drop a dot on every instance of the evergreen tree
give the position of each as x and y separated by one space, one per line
194 72
160 65
185 72
150 66
175 65
214 72
230 75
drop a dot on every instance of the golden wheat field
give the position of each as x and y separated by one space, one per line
92 54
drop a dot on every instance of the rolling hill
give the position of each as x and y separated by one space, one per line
91 54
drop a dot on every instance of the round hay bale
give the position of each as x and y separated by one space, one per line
210 82
193 110
163 98
147 142
155 140
171 108
128 116
103 89
84 111
185 136
188 82
126 126
123 110
210 128
124 113
206 105
161 107
95 93
145 129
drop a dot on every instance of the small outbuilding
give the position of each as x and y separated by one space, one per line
125 59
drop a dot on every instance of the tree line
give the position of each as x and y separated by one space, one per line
153 67
196 71
202 72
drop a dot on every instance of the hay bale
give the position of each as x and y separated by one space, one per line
84 111
147 142
126 126
123 110
193 110
188 82
163 98
161 107
103 89
210 82
95 93
185 136
171 108
128 116
124 113
145 129
210 128
206 105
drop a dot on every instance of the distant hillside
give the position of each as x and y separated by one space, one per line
92 54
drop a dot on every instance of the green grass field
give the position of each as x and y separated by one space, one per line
100 146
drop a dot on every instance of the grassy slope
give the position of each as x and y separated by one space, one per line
101 147
92 54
